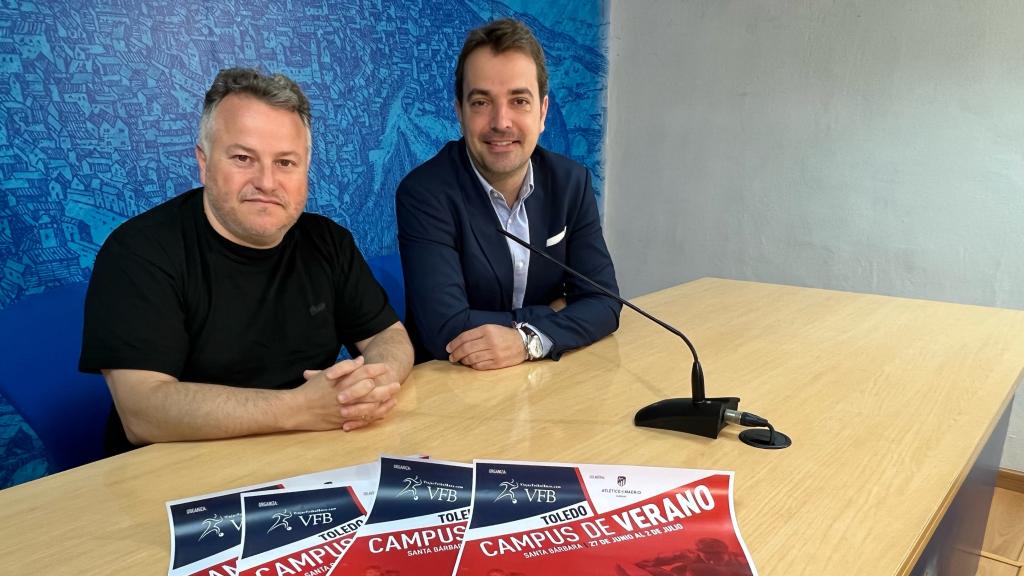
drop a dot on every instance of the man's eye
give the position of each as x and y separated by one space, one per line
242 158
286 163
521 102
478 103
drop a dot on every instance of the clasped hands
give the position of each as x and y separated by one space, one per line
352 394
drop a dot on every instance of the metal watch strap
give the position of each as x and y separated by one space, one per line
529 334
526 339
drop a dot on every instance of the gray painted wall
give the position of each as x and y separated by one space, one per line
863 145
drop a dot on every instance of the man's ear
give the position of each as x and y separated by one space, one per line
201 159
543 112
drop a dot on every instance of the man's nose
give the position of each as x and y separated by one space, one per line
500 118
264 179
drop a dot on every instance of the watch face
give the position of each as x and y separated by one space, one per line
534 347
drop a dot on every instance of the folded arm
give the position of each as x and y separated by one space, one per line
156 407
583 314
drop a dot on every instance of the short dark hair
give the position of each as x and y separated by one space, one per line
502 36
275 90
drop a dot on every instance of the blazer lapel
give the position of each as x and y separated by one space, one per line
485 224
538 212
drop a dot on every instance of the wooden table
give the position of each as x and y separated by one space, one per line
889 403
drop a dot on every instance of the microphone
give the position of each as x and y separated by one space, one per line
696 415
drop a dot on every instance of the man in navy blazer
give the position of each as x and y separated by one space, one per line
472 295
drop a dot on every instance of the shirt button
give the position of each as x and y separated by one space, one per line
519 265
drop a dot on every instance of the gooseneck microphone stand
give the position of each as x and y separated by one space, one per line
696 415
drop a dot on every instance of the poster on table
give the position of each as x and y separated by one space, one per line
298 530
533 518
417 521
206 530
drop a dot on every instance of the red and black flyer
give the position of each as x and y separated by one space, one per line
300 531
206 530
417 521
533 518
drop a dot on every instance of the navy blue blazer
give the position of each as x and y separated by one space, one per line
458 268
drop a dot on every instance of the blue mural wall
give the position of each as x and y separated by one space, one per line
23 456
100 102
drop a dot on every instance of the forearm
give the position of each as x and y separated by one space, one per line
581 322
391 346
155 407
436 335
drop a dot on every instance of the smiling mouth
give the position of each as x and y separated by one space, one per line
501 143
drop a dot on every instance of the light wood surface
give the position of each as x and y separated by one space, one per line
888 402
995 567
1010 480
1004 533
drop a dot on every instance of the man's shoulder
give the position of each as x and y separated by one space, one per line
320 226
442 169
567 178
318 236
160 223
545 160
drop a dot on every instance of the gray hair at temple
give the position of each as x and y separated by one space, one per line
276 90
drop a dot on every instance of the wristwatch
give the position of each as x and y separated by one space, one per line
531 341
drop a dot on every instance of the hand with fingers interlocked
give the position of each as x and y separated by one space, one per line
363 392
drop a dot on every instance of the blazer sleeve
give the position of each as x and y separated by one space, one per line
588 315
430 242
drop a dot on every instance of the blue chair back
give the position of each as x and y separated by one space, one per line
387 269
41 338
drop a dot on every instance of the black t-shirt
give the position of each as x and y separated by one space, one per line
170 294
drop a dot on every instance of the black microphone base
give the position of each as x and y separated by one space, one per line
684 415
765 439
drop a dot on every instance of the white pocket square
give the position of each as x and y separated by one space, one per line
555 239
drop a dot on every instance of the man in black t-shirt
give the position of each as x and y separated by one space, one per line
221 312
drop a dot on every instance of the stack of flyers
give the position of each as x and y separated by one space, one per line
206 530
360 473
299 530
531 518
429 517
417 521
